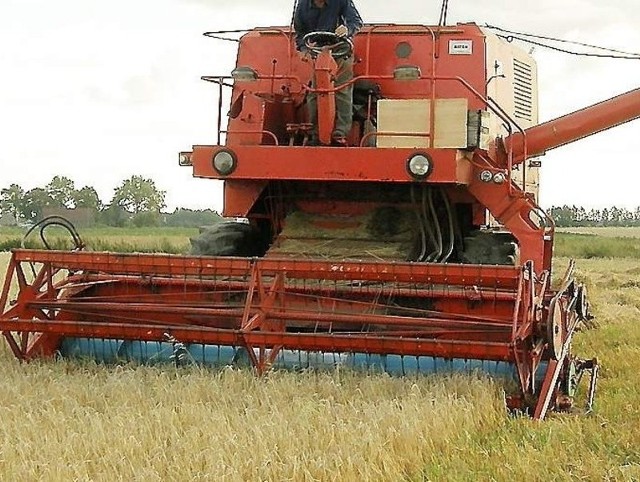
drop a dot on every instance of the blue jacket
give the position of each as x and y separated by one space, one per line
309 18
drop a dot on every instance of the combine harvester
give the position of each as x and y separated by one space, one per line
420 246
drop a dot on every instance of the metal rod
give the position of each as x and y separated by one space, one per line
315 342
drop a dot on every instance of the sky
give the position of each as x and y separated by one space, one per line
101 90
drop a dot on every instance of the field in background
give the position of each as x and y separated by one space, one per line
573 242
71 421
149 240
608 232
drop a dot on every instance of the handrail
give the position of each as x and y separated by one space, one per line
487 101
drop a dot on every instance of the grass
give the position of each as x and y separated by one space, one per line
595 246
573 242
608 232
68 422
124 240
81 421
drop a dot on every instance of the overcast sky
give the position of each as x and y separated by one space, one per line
100 90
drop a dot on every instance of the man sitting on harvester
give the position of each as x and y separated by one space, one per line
342 18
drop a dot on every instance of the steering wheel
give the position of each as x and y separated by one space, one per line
316 42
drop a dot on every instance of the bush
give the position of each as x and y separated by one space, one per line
145 219
191 218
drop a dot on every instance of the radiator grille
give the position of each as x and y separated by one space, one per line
523 90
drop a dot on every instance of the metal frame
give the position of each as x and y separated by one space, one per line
266 305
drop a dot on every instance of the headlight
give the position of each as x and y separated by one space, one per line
244 73
224 162
419 165
486 176
407 72
184 159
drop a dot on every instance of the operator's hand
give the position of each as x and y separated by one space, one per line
342 31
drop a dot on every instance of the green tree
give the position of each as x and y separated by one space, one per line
191 217
581 216
113 215
594 217
146 218
87 197
35 201
562 216
12 201
61 190
138 195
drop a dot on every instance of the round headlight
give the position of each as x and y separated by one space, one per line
499 177
419 165
224 162
486 176
184 159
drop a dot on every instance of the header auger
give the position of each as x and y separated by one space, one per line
418 247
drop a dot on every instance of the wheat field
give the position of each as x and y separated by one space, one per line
81 421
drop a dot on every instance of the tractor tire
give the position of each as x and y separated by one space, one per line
229 238
490 247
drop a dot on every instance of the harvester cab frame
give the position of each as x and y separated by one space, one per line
418 247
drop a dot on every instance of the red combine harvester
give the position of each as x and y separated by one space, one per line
419 246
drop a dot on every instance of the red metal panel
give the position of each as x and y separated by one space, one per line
376 47
240 196
271 52
332 164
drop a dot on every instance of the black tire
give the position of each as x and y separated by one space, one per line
229 238
490 247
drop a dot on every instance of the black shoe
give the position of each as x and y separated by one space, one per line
339 141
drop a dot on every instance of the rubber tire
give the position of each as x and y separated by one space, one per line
487 247
229 238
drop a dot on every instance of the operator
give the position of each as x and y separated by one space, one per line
342 18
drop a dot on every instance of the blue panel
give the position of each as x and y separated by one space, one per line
112 351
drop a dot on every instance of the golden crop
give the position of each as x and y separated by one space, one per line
64 420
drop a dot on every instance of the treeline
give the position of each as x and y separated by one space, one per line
135 202
574 216
138 202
